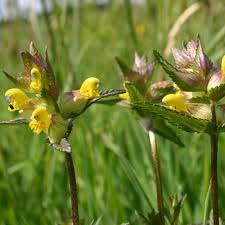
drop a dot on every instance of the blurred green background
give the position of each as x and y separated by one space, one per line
110 149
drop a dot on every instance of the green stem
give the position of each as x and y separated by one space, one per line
156 164
214 151
73 188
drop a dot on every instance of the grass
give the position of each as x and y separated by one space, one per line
110 149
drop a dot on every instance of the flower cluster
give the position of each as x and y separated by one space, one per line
36 96
197 81
140 75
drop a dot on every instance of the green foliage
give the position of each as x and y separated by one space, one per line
172 72
32 176
152 218
181 120
217 93
154 121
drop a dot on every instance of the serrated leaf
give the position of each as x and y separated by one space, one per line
160 127
167 132
217 93
188 81
181 120
134 93
14 122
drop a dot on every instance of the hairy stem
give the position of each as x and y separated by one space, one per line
214 150
156 164
73 188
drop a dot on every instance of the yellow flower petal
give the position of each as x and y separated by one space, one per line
89 88
40 120
35 84
17 99
223 65
176 102
125 96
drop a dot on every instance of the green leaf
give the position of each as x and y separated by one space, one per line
171 71
160 127
181 120
217 93
185 81
14 122
167 132
134 93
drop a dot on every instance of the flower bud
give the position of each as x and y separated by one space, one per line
142 66
140 72
36 84
192 67
71 103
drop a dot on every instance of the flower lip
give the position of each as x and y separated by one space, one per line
16 99
89 88
175 102
40 120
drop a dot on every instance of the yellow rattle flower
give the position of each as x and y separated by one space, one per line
176 102
89 88
125 96
40 120
17 99
35 84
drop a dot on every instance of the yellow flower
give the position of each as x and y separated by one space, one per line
17 99
125 96
40 120
140 29
35 84
89 88
223 66
176 102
